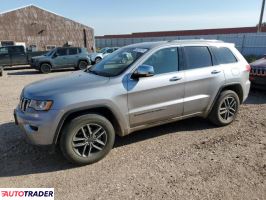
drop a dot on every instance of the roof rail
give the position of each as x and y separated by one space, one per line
197 41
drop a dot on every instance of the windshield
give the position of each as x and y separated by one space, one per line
49 53
117 62
103 50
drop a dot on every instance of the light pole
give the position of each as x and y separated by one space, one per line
261 15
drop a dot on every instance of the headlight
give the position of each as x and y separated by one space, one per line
40 105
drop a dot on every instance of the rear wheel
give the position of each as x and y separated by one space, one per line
45 68
225 108
87 139
82 65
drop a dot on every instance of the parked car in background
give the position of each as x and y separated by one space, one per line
61 57
16 55
98 56
258 73
136 87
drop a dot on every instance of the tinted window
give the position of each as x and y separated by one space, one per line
109 51
197 57
223 55
17 49
164 61
72 51
62 52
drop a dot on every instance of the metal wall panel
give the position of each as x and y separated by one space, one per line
246 43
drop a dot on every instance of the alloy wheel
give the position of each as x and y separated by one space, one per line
228 109
89 139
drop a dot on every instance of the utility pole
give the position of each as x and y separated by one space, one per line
261 16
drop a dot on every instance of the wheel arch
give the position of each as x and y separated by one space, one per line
46 62
101 110
236 87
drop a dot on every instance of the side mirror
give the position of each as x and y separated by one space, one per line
143 71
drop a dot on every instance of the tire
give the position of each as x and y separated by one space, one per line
225 108
82 65
77 143
45 68
98 60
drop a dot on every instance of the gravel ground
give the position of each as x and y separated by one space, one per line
190 159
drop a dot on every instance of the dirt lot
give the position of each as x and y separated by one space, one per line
190 159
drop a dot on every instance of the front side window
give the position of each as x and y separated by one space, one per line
109 51
17 49
62 52
223 55
164 61
117 62
197 57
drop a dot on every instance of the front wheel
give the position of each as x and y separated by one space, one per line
45 68
225 108
87 139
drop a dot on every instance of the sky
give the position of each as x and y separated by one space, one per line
124 16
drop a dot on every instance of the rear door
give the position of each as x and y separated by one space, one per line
203 79
61 58
160 97
72 58
4 56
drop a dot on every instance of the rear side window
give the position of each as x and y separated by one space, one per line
223 55
164 61
197 57
72 51
3 50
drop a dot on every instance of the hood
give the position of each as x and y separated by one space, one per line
49 88
38 57
259 63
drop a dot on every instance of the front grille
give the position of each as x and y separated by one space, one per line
24 104
258 71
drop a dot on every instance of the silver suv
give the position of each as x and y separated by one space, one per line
136 87
98 56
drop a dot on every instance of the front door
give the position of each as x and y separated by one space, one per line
18 55
60 59
160 97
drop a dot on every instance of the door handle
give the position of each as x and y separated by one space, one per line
175 78
215 72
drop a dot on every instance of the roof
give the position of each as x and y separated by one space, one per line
34 6
185 33
150 45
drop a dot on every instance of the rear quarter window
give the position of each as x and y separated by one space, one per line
223 55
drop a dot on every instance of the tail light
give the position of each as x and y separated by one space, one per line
248 68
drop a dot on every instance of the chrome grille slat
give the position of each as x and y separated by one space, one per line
24 104
258 71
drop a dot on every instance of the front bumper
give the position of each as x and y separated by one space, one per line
39 127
